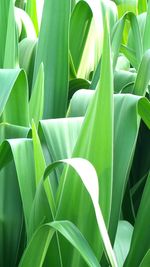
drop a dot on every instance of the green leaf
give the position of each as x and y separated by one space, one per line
126 108
78 241
22 151
40 166
143 75
31 9
93 143
142 6
11 45
129 54
4 11
123 78
36 104
146 260
144 111
12 236
146 39
14 96
42 239
117 38
122 241
79 28
27 50
89 179
141 231
58 138
52 50
27 29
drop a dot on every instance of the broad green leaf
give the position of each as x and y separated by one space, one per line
14 97
12 131
93 143
146 39
52 50
143 75
126 107
126 5
118 33
40 164
22 151
39 6
141 231
36 104
72 74
134 55
4 11
27 50
43 237
79 103
123 78
122 241
89 179
93 49
122 63
31 9
12 236
142 6
146 260
43 206
144 109
79 29
58 138
11 45
27 24
126 117
10 226
130 55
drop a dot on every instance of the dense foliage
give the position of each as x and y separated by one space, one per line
74 133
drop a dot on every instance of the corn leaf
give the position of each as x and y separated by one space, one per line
79 28
146 39
12 236
92 188
53 46
36 104
11 45
27 49
142 6
140 236
118 33
122 241
146 260
27 29
4 11
125 106
143 75
31 9
43 237
91 139
14 96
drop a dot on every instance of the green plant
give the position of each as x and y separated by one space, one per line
91 212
